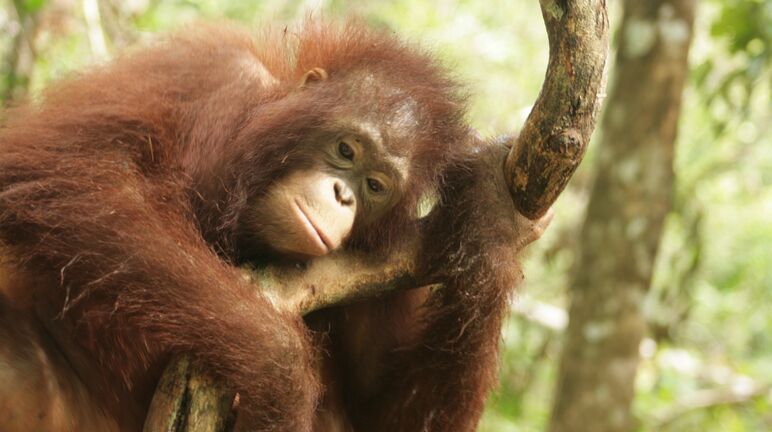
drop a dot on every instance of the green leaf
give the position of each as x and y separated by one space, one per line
32 6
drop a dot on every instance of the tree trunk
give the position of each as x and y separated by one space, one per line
629 202
20 59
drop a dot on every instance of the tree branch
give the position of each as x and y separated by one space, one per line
21 57
556 133
709 398
95 32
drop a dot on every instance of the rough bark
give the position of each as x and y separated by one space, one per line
188 399
549 149
628 204
555 135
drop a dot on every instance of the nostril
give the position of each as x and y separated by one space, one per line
343 194
348 199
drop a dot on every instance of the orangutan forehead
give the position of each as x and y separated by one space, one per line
396 109
391 155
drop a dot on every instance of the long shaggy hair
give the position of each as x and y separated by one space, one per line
122 191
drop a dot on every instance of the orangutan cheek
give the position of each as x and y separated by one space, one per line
308 213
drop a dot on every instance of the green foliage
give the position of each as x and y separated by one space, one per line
743 28
30 6
745 25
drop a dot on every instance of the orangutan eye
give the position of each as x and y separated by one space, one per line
375 186
346 151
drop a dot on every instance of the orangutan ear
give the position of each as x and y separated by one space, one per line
315 74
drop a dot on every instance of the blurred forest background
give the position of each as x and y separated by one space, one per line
648 303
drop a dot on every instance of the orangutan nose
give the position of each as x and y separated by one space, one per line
343 193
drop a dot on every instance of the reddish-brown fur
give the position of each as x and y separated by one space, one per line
120 198
437 377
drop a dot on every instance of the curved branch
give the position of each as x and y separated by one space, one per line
709 398
558 129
